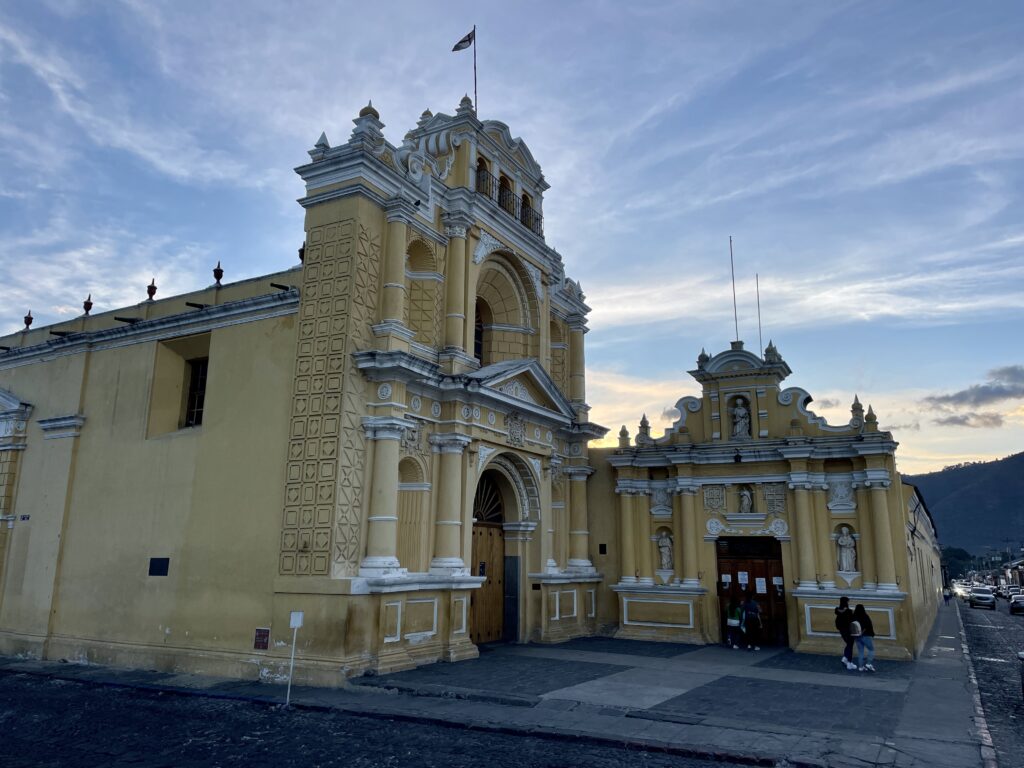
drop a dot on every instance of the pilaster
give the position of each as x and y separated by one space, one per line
381 558
448 523
579 524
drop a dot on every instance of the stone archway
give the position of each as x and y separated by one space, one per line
506 509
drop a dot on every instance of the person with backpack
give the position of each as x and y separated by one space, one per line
864 633
752 623
844 617
733 622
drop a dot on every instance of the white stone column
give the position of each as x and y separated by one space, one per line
882 530
691 535
447 560
382 522
579 526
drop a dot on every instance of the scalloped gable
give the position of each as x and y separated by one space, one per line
524 380
515 146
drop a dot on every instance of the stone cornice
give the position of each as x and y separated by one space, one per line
231 313
62 426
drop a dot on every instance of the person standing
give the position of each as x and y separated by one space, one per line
752 623
946 594
865 640
733 622
844 617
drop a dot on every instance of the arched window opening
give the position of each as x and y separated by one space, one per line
481 330
506 197
526 210
485 181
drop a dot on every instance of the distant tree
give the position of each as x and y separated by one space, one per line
957 561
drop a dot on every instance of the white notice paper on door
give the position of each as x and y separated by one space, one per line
761 585
742 578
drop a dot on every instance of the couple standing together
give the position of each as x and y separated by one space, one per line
855 626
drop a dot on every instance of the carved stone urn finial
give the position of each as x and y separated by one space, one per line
218 273
151 290
28 320
87 304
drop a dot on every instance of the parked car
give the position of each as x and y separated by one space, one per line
982 597
1011 591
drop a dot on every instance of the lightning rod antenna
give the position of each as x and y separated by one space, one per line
735 316
760 338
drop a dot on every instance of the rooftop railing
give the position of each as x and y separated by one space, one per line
506 199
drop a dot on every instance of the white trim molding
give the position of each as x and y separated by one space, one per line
62 426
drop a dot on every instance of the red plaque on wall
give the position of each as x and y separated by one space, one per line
262 641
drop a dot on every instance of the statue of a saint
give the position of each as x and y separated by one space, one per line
746 501
847 551
664 542
740 419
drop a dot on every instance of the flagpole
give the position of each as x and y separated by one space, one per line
476 104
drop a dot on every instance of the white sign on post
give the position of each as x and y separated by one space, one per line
294 622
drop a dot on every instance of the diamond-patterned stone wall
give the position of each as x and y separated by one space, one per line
324 479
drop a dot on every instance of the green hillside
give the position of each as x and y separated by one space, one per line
977 505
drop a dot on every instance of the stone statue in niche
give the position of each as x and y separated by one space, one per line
740 419
664 542
746 501
847 547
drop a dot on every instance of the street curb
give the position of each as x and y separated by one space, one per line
548 732
988 752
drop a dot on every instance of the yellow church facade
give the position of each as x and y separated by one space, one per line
393 437
749 493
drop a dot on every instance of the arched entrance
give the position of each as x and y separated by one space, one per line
487 604
506 503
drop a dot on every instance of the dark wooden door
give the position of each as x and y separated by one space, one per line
757 561
487 604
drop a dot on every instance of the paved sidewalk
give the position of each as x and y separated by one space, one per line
765 708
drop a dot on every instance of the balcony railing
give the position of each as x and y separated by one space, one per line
489 186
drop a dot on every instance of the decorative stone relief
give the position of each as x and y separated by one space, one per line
486 246
435 410
491 418
840 494
661 502
483 455
714 498
715 526
516 429
778 527
774 498
476 412
536 433
517 390
415 404
535 277
383 391
467 412
547 435
535 463
412 439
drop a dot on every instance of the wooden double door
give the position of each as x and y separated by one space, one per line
752 565
487 603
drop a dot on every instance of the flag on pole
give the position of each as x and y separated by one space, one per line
465 42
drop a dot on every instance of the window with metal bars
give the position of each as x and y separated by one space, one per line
196 391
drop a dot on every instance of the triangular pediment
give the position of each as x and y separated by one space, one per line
8 402
525 381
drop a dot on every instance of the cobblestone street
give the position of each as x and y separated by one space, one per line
49 723
995 638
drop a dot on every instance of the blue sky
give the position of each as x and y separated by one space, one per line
867 158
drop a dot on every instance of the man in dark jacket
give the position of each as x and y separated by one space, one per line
844 617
